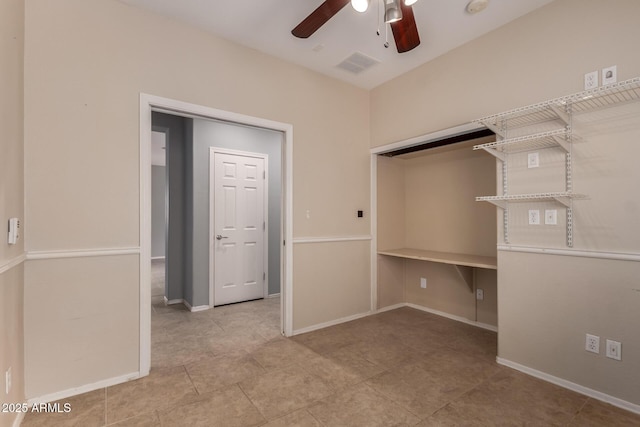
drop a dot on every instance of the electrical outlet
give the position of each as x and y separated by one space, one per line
614 350
479 294
593 344
533 160
551 217
7 381
591 80
534 217
609 75
423 282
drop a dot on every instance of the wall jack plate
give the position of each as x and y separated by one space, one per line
614 350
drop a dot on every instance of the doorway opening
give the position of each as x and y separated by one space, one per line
150 104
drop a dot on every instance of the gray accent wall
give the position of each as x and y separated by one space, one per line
188 145
175 127
158 216
210 133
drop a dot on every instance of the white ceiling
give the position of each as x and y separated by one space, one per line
266 25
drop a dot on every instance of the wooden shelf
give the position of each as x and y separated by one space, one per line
465 260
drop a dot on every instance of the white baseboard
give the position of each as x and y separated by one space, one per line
331 323
391 307
439 313
196 308
632 407
154 258
186 304
84 389
19 419
273 295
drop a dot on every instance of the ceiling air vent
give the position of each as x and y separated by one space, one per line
357 63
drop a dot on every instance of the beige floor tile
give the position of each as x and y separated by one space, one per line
430 383
596 414
227 342
150 419
279 353
300 418
385 351
361 406
228 407
169 352
163 388
511 397
336 375
86 409
279 392
354 361
326 340
221 371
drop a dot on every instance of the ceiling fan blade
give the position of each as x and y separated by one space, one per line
405 31
318 18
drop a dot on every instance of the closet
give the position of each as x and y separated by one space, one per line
436 246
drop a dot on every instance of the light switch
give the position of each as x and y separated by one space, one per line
14 231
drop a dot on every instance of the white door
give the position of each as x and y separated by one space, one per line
238 227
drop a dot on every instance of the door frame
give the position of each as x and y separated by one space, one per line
149 103
265 207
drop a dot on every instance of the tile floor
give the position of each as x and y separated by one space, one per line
230 367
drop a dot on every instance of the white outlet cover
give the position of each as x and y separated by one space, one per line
480 294
551 217
609 75
534 217
591 80
592 343
423 283
533 160
614 350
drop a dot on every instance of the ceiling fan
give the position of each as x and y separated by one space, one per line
398 13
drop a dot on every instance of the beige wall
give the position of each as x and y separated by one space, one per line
11 203
546 304
85 66
426 200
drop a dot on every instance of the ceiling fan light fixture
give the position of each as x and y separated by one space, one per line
360 5
392 11
476 6
409 2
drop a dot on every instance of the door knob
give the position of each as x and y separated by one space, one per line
219 237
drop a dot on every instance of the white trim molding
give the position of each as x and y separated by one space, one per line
18 420
454 317
439 313
330 323
632 407
330 239
150 103
620 256
84 389
13 262
82 253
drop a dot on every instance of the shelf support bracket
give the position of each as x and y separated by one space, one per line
494 129
561 114
494 153
562 143
466 273
564 200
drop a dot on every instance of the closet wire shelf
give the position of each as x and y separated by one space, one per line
604 96
563 197
554 138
